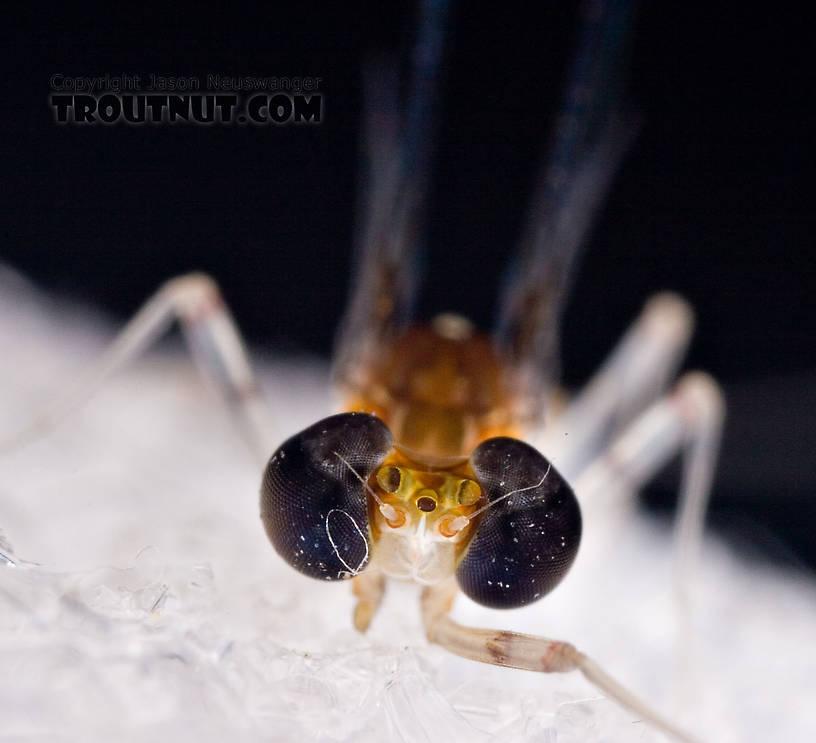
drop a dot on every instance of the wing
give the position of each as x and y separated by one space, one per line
397 149
587 146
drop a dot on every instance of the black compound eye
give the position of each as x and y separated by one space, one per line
313 502
527 541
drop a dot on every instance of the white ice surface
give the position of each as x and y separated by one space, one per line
146 603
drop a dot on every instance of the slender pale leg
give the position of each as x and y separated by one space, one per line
688 420
636 372
615 442
368 587
527 652
214 341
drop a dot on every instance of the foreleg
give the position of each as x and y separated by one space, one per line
527 652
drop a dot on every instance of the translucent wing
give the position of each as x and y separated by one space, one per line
589 142
397 150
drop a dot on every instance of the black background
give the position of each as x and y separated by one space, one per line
713 200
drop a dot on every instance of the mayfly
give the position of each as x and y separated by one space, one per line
424 476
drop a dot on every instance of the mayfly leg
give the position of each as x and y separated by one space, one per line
215 343
398 146
587 146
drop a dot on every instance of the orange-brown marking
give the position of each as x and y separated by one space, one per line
499 646
440 396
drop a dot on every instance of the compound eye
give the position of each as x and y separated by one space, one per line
530 530
313 495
